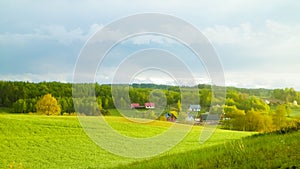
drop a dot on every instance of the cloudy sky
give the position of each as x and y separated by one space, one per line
258 41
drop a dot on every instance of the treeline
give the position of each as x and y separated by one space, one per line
22 97
11 92
251 113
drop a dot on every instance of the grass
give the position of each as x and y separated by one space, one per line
33 141
267 151
133 113
295 111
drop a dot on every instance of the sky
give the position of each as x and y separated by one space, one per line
257 41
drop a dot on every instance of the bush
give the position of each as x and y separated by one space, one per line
162 118
105 112
292 126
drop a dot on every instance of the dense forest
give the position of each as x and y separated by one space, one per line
241 109
22 97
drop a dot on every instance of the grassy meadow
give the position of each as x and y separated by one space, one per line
295 112
35 141
259 151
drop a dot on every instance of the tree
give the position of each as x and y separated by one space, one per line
106 103
254 103
256 121
288 110
265 124
287 95
236 118
252 120
99 101
48 105
179 106
20 106
205 98
279 118
63 105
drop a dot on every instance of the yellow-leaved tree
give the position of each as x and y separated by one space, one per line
48 105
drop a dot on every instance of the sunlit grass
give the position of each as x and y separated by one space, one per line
295 111
60 142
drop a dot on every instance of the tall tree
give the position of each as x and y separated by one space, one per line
48 105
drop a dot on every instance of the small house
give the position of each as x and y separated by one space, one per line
149 105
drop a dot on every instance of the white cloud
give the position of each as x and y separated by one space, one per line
262 80
276 44
258 57
148 39
31 77
273 35
50 33
60 34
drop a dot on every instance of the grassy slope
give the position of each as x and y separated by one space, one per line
59 142
266 151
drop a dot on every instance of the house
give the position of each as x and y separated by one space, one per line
149 105
195 107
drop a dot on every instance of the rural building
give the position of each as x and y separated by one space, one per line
195 107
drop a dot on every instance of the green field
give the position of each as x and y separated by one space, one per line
32 141
295 111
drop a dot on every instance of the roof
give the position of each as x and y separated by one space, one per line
149 104
135 104
195 106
